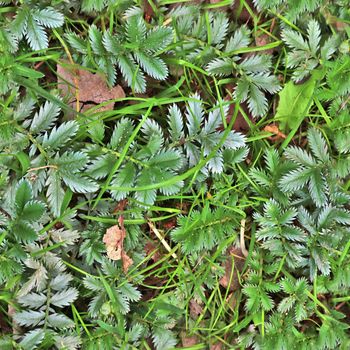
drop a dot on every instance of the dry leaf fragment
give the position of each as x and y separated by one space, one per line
195 308
189 340
114 239
92 88
273 128
235 255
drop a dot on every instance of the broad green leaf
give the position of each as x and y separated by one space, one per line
33 211
294 104
23 194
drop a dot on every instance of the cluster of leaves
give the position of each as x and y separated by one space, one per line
209 42
189 191
301 229
133 48
159 158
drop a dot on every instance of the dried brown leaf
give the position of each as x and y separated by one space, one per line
195 308
114 239
273 128
189 340
89 88
230 280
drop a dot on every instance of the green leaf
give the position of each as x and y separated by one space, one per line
29 318
49 17
314 35
24 194
157 39
136 30
64 298
33 211
175 122
32 339
55 192
76 42
194 114
240 40
19 24
318 145
36 35
147 197
153 66
294 104
45 118
60 321
78 183
132 73
24 232
61 135
220 66
95 38
125 177
294 40
121 133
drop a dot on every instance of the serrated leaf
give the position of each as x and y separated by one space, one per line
32 339
95 39
157 39
240 40
132 73
19 24
130 291
163 339
36 36
314 35
153 66
125 177
167 159
55 192
49 17
121 133
29 318
64 298
61 135
175 122
101 167
257 102
136 29
220 67
147 197
24 194
78 183
33 300
46 116
76 42
24 232
33 211
60 321
61 281
318 145
294 40
194 114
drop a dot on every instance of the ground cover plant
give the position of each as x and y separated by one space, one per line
174 174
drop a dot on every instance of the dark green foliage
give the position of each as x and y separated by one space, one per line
134 49
150 221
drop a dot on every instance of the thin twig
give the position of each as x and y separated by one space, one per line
243 249
43 167
162 240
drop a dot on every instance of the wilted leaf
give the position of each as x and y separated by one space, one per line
230 279
114 239
273 128
89 88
